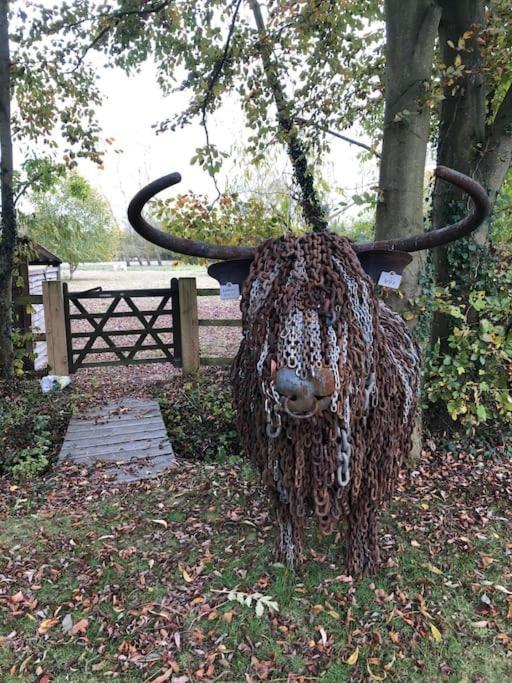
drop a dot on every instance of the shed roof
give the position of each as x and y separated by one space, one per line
43 256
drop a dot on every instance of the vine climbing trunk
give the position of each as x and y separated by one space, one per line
461 127
8 222
310 202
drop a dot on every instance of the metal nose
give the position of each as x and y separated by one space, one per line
289 384
301 394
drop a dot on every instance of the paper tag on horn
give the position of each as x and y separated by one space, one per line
229 291
391 279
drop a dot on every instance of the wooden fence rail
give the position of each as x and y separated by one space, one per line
55 335
219 361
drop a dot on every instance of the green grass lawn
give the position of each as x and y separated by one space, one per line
136 584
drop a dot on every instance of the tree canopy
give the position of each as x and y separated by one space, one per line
74 221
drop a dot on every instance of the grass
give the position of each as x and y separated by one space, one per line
150 571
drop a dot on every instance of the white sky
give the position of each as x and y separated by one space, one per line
132 104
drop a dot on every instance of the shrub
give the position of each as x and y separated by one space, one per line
32 427
200 418
473 377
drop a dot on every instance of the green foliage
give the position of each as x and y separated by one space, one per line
230 220
32 426
53 88
74 221
200 419
501 225
472 378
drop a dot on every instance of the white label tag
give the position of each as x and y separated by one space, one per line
229 291
391 279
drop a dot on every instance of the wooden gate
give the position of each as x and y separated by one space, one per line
110 327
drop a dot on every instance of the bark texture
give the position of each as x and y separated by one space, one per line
8 234
411 30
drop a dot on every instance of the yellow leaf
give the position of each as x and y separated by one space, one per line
185 574
353 657
46 625
436 633
162 522
433 569
458 61
374 677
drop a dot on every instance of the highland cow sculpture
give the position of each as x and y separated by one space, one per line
326 379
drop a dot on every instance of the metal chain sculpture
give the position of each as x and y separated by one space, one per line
326 379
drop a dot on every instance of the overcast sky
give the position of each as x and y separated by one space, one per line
132 104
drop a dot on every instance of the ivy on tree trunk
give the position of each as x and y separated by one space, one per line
8 235
310 202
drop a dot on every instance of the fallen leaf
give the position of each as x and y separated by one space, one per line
67 623
46 625
480 624
353 657
164 677
185 574
374 677
80 626
502 589
162 522
415 544
436 633
433 568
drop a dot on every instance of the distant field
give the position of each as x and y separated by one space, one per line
103 275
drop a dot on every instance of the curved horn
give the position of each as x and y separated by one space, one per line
436 238
172 242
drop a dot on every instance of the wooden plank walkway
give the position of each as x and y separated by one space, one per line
129 435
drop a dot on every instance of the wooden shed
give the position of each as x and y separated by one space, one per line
42 265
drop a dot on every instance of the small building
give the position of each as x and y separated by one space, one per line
42 265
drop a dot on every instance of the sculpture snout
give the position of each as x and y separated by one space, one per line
303 397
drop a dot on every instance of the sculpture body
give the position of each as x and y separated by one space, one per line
325 384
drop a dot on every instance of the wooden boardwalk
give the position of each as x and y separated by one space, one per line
129 435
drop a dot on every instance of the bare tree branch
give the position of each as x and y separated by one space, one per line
334 133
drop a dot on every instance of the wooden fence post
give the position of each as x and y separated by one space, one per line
189 326
53 303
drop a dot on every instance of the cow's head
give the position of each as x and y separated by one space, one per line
313 286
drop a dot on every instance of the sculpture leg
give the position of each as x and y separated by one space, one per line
363 554
289 536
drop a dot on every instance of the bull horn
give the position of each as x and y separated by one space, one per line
441 236
179 245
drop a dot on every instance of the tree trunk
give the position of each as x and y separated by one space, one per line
497 155
312 209
461 128
8 236
411 30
